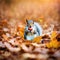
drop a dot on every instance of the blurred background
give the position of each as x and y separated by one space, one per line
45 12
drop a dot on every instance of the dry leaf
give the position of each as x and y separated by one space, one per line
53 35
5 37
53 44
21 31
37 39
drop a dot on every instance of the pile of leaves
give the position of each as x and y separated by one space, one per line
15 47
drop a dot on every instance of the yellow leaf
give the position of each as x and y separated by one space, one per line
53 35
53 44
21 31
37 39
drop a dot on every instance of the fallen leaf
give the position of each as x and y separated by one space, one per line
37 39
